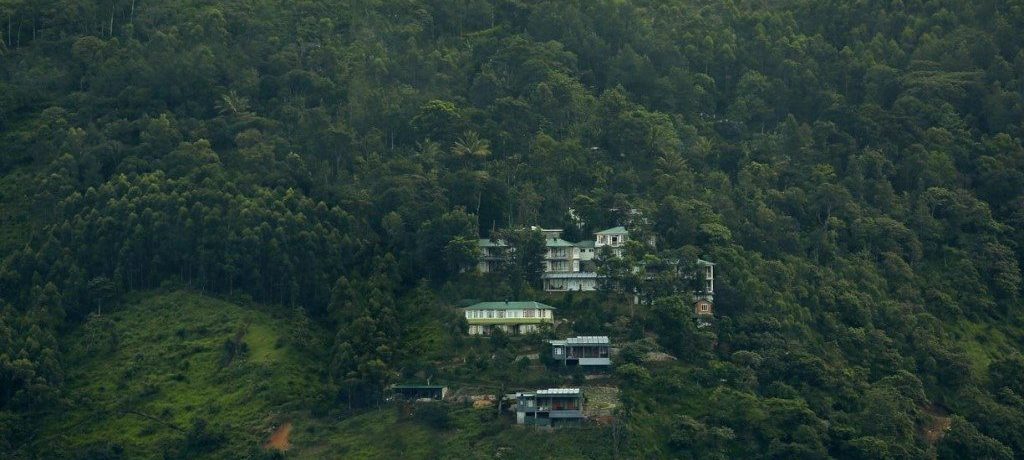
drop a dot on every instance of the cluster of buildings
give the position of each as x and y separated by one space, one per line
563 406
570 266
567 266
550 407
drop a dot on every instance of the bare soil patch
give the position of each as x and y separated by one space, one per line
279 438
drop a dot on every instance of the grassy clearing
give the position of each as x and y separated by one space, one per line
386 434
143 375
984 343
166 372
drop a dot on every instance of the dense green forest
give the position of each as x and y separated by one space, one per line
282 198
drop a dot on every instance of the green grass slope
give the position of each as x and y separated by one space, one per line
389 433
142 377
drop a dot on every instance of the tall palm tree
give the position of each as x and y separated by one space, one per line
471 147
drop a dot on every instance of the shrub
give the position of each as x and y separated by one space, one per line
433 415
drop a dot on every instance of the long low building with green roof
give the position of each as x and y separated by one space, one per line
511 317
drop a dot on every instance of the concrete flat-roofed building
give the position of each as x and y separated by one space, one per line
582 351
511 317
550 407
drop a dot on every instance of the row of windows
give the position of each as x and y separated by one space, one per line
486 330
561 253
527 313
561 266
611 240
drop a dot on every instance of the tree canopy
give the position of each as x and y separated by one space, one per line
854 169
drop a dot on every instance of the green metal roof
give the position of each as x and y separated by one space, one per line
557 243
509 306
487 243
587 244
612 230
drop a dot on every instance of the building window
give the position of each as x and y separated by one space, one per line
501 313
528 313
704 307
490 313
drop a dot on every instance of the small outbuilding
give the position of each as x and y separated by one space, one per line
703 307
419 392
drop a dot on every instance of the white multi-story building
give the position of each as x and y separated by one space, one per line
570 266
588 250
564 262
613 238
560 256
492 253
706 270
511 317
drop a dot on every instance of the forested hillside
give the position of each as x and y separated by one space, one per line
854 169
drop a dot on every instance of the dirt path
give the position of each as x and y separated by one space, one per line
941 421
279 439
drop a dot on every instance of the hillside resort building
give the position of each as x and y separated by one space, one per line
513 318
582 351
570 266
567 265
550 407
